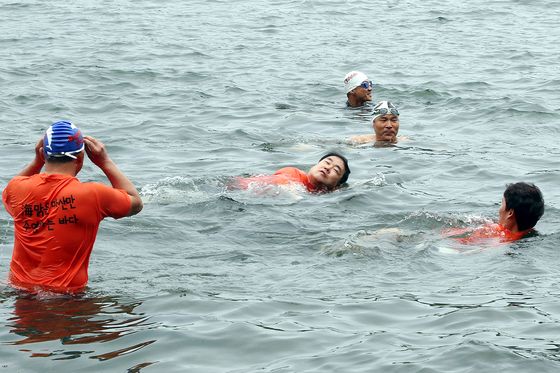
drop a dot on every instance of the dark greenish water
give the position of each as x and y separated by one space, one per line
188 94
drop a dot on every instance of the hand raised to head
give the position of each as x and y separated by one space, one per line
96 151
39 155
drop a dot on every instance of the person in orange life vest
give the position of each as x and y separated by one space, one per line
522 207
385 122
56 217
358 88
329 173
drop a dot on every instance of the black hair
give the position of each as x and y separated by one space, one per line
346 167
59 159
527 202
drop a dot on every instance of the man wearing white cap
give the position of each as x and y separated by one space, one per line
358 88
385 122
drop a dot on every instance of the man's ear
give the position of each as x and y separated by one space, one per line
511 214
80 161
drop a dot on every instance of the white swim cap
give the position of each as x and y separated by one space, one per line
382 108
353 79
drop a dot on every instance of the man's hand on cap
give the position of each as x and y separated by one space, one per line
96 151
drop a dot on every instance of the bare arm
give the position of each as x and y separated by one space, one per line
99 156
37 163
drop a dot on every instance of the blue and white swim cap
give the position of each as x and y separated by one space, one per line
63 139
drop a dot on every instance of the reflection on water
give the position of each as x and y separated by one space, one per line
69 320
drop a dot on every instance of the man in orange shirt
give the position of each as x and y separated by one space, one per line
56 216
522 207
330 172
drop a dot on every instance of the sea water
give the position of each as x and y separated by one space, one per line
187 95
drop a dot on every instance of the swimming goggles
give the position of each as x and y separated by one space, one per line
384 107
384 110
366 84
67 154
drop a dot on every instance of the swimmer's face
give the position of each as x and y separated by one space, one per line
362 93
386 128
327 173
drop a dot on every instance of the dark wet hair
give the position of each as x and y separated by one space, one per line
58 159
527 202
346 167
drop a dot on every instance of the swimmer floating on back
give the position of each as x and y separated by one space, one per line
328 174
385 122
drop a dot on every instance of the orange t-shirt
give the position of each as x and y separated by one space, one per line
487 233
56 218
283 176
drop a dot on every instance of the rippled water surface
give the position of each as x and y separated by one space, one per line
188 94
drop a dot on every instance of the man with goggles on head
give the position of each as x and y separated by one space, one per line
385 123
56 216
358 88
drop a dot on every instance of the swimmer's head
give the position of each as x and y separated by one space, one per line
385 121
522 205
354 79
63 141
346 172
358 88
331 171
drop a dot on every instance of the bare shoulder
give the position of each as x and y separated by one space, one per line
362 139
